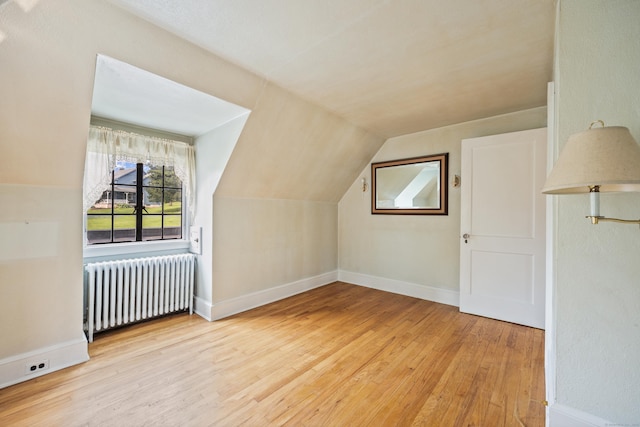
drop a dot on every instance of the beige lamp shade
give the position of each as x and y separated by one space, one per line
608 157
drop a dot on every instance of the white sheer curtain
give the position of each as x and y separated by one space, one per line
107 146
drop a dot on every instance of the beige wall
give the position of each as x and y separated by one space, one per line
275 210
213 151
40 268
47 56
263 243
598 273
422 250
291 149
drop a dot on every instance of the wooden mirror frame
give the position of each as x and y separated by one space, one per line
442 196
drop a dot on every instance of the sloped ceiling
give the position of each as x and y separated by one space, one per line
392 67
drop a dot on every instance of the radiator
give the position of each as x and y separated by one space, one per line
131 290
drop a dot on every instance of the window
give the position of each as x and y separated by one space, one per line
141 203
137 188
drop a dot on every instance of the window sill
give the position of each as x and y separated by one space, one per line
133 248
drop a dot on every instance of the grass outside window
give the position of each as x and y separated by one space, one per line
125 218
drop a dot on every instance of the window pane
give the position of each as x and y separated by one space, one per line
151 197
124 228
151 227
162 198
124 179
98 229
103 204
172 201
124 196
173 226
153 179
125 210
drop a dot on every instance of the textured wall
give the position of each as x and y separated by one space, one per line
262 243
598 274
291 149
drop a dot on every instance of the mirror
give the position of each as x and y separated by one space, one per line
416 186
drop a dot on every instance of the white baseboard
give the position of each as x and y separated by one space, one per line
429 293
15 369
203 308
247 302
233 306
565 416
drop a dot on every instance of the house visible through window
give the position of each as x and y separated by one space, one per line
142 202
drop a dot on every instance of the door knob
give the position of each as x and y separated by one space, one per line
466 236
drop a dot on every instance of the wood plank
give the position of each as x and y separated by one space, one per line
337 355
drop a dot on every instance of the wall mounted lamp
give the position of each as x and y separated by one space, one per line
601 159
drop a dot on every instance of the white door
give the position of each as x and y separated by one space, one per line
502 246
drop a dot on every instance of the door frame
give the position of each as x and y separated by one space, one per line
551 245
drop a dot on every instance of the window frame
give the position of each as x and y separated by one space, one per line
139 245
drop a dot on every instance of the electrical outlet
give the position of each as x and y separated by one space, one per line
36 366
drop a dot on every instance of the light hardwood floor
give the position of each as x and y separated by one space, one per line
340 355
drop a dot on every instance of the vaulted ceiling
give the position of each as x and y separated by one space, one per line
392 67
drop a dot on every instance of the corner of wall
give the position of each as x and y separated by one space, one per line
247 302
427 293
564 416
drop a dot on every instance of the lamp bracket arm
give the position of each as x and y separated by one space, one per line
597 219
